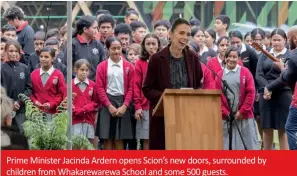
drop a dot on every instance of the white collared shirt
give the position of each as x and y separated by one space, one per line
205 49
76 81
243 48
115 85
277 54
49 72
226 70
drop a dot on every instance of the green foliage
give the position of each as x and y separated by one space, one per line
45 135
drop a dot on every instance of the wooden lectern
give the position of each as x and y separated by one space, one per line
193 119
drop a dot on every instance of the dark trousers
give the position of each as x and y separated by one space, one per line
291 128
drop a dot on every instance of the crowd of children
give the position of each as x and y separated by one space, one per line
110 63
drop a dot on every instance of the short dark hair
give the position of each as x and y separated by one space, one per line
54 32
137 24
224 19
51 41
164 23
102 11
14 12
122 28
39 35
84 22
52 51
257 31
195 46
107 18
144 55
236 33
178 22
8 27
194 22
131 11
279 32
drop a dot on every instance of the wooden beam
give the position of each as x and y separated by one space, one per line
4 4
77 8
85 7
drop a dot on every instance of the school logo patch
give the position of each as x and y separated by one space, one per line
59 60
91 92
55 81
22 75
95 51
127 70
246 59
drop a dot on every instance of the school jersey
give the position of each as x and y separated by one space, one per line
15 78
53 92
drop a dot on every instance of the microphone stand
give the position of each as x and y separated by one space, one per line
231 117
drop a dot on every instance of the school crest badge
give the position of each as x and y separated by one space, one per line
95 51
55 80
127 70
22 75
91 92
246 59
59 60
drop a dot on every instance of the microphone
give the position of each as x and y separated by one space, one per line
225 84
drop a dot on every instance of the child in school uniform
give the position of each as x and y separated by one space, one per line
133 52
84 104
114 85
149 46
33 59
241 81
15 78
49 88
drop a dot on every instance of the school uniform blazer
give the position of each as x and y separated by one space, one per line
158 74
102 82
207 81
247 94
84 104
214 64
140 102
53 92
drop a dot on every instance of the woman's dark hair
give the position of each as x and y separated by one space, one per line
131 11
223 38
8 27
212 33
81 62
257 31
106 18
196 30
144 55
279 32
14 43
230 49
178 22
50 50
235 33
164 23
246 35
110 40
102 11
195 46
14 12
84 22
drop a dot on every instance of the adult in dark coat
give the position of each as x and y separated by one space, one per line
173 67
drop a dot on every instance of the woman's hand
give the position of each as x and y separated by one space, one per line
16 106
138 114
121 111
267 94
112 110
